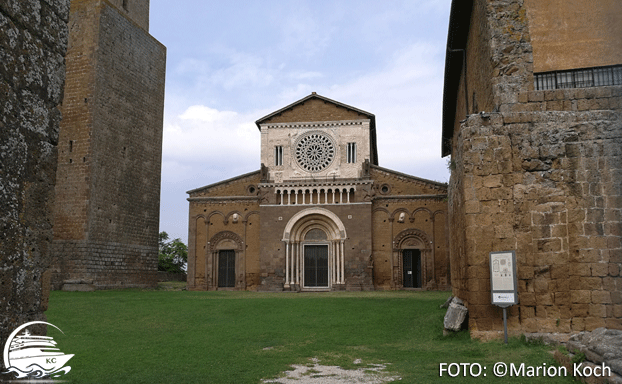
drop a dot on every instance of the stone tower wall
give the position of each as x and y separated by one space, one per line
107 212
539 175
33 43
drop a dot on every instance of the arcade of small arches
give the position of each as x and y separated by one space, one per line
333 195
402 214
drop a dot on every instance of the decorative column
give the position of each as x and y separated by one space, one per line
393 246
296 197
342 256
286 285
299 264
336 272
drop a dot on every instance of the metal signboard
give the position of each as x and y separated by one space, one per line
503 286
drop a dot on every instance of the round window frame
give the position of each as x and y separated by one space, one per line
327 138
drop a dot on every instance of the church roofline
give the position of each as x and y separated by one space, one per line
420 179
313 95
222 182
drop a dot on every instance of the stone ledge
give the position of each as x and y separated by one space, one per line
78 287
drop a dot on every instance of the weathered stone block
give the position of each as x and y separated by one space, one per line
581 297
601 297
454 318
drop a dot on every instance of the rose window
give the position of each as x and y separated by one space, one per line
315 151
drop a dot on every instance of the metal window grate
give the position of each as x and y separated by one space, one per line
579 78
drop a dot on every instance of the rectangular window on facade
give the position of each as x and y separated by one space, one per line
351 153
278 155
579 78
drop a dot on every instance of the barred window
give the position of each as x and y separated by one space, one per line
579 78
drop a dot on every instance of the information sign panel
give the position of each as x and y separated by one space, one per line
503 285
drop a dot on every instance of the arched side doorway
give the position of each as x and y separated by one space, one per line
314 250
226 249
411 249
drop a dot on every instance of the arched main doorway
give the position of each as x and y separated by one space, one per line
314 250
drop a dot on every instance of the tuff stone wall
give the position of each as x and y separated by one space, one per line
549 187
209 220
540 175
211 212
423 205
563 41
108 190
33 43
356 219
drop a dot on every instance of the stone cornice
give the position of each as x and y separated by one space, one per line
410 197
317 183
220 199
315 124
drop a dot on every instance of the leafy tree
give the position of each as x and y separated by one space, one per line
173 254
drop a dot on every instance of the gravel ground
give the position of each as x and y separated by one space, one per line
326 374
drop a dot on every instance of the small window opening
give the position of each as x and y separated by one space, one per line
351 153
278 155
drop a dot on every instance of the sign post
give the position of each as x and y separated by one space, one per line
503 286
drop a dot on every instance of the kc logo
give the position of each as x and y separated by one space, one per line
31 356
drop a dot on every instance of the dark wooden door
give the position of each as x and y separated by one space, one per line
226 268
412 268
316 266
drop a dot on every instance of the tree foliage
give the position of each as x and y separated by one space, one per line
173 254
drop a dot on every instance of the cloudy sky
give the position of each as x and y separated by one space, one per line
232 62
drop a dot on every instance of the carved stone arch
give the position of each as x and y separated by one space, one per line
439 212
209 217
225 241
336 223
200 216
219 240
248 215
229 216
331 243
412 237
424 210
392 216
380 209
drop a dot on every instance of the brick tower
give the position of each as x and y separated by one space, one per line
106 214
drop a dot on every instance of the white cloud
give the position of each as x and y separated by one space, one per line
206 114
207 138
405 96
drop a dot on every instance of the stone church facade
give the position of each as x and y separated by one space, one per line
320 214
532 121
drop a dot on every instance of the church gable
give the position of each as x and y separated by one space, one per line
243 185
389 182
315 108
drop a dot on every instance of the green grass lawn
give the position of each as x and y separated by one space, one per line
135 336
